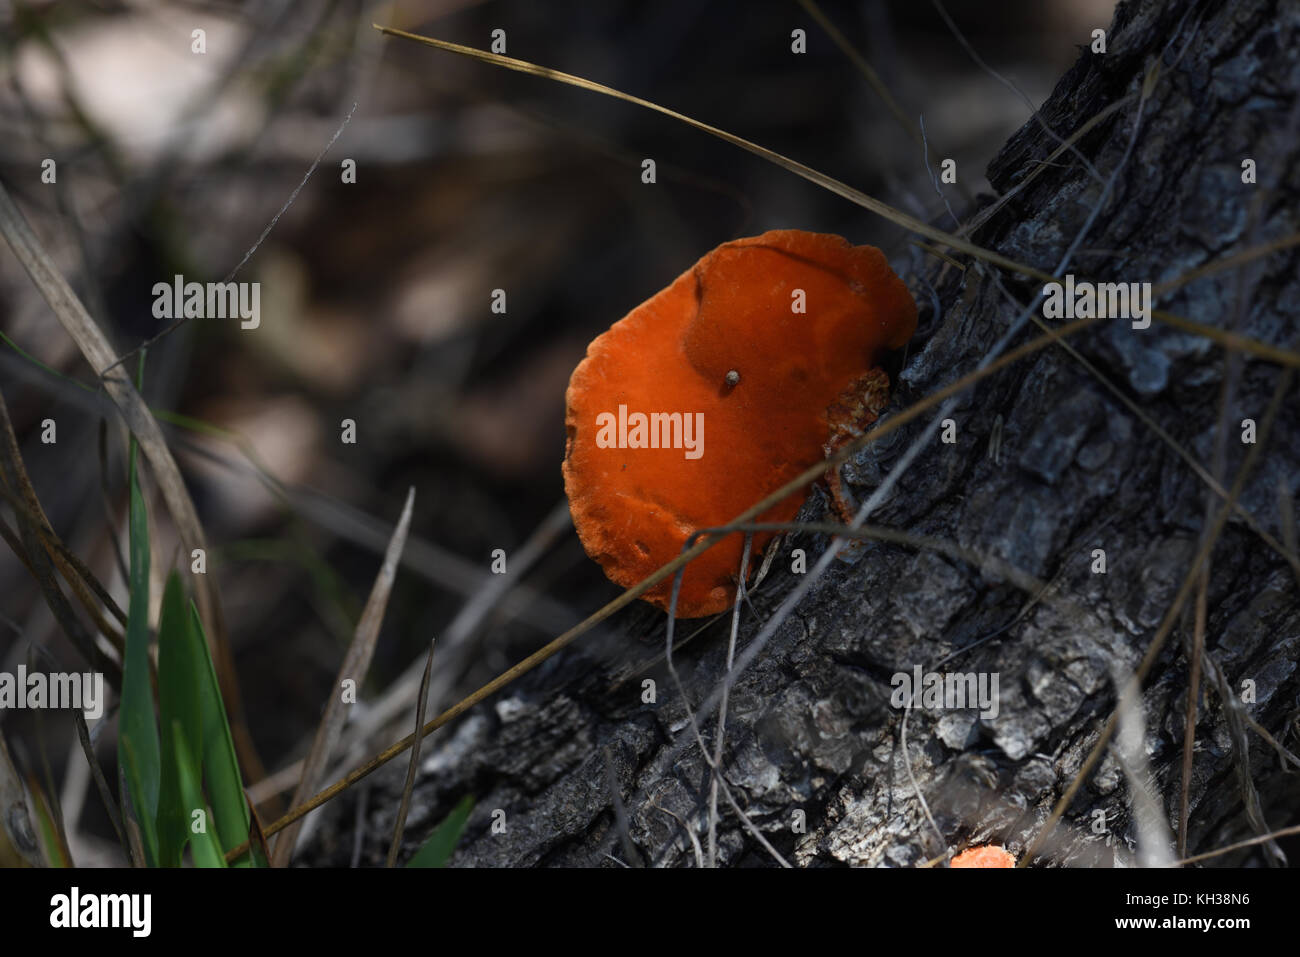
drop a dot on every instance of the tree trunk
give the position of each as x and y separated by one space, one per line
1049 465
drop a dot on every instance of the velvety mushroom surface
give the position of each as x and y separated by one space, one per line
733 367
988 855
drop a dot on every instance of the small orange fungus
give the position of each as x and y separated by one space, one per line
987 855
718 390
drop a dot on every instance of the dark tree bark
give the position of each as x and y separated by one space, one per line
1048 465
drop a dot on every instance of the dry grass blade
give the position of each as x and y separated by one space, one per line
16 546
987 562
620 812
405 806
50 797
1234 716
1231 702
686 829
911 774
1226 262
1229 340
1242 845
106 499
95 348
863 67
257 834
720 734
1153 837
1200 611
355 664
1189 713
101 782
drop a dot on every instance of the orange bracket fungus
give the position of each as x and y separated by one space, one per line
986 855
750 368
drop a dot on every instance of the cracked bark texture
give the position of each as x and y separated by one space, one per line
1048 466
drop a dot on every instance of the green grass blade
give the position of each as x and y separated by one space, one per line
203 842
220 766
436 851
54 855
137 745
180 699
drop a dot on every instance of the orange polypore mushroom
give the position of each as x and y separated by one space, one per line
987 855
718 390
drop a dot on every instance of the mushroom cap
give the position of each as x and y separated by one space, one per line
634 508
987 855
